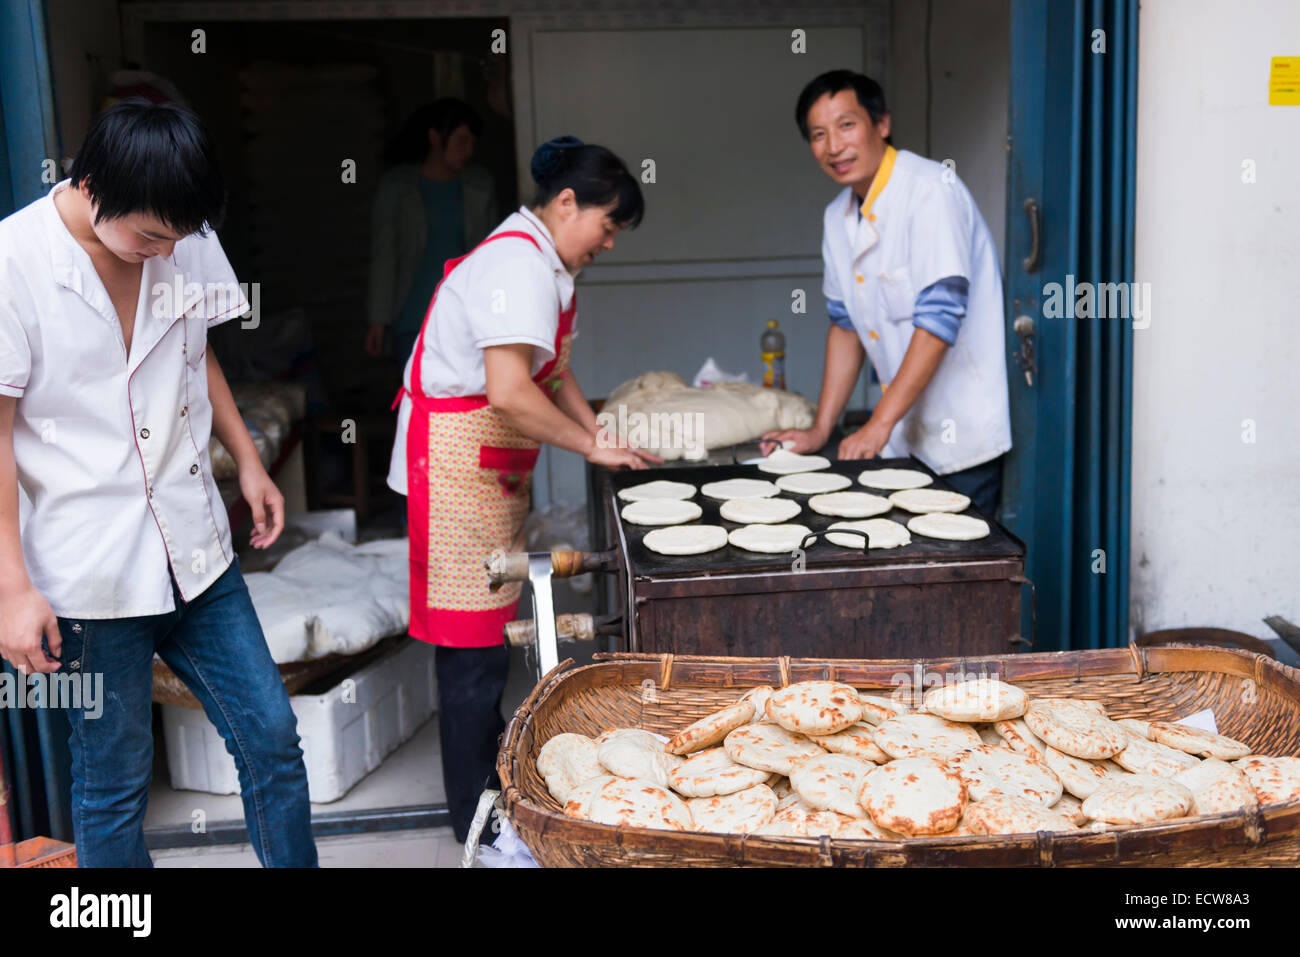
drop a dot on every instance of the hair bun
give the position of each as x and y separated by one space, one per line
550 157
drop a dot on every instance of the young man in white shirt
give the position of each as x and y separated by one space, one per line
912 282
108 396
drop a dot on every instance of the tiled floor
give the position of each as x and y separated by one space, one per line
435 847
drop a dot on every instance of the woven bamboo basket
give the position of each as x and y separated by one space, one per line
1254 698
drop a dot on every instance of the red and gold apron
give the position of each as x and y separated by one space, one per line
468 478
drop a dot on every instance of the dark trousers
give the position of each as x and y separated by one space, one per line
470 685
981 483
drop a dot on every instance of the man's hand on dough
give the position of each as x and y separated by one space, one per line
804 440
865 443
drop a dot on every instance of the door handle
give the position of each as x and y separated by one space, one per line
1031 261
1023 326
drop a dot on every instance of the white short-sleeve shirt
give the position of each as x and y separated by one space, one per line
111 448
507 291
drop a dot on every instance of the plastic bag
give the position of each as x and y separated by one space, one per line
710 374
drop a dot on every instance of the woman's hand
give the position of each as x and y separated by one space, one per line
865 443
265 502
25 616
804 440
375 340
614 458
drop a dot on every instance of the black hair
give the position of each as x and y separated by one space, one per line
155 158
446 115
596 176
869 93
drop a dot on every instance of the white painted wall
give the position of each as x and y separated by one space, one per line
1215 519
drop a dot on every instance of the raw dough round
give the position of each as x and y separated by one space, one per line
769 538
923 500
685 539
739 488
782 462
659 488
850 504
894 478
813 483
660 511
759 511
954 528
883 533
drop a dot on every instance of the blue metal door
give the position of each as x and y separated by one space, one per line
1070 234
33 743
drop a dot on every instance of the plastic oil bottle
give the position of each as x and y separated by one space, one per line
772 346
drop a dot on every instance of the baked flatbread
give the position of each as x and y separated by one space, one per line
660 488
914 796
1075 728
633 753
857 741
712 772
924 500
1008 814
741 812
579 803
1019 738
953 528
987 771
788 821
1275 780
785 462
982 699
1217 787
767 747
739 488
660 511
830 782
639 803
877 708
849 504
565 761
1078 776
880 532
685 539
1148 757
813 483
1137 799
894 479
1195 741
924 735
759 511
711 729
1136 727
815 707
770 539
758 698
1072 808
841 827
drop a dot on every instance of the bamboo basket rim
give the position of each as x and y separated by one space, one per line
1237 830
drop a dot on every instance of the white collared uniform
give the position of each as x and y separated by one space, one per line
112 450
506 292
920 229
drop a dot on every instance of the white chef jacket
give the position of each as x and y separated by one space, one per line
920 225
505 292
112 449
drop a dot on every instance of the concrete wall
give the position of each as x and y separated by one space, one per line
1216 516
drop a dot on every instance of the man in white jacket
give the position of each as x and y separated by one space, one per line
911 280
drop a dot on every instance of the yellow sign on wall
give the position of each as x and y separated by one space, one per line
1284 81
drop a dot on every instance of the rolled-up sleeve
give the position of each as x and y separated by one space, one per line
15 353
941 306
839 314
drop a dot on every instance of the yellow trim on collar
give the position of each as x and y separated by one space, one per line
879 181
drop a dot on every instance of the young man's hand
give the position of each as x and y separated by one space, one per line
25 616
804 440
266 503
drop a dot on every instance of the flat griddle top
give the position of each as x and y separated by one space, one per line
1000 544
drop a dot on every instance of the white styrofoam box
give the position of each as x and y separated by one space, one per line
346 731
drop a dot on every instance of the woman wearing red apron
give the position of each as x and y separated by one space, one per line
487 383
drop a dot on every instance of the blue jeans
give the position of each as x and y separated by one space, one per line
216 646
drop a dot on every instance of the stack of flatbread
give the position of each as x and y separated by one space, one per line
975 757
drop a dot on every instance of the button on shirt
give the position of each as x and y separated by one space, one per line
505 292
111 448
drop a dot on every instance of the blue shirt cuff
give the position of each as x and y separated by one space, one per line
839 314
940 307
